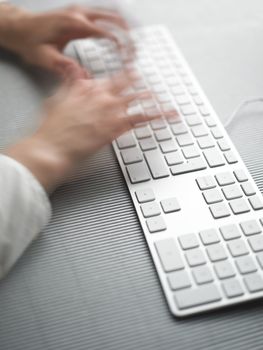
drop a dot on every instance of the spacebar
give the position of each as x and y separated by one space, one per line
195 297
190 166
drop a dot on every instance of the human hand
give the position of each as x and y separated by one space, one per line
40 38
82 117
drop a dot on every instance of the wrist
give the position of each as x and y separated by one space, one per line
45 162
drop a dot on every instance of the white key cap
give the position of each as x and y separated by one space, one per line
206 182
145 195
188 241
204 111
256 202
248 189
188 109
230 231
97 67
219 210
250 227
150 209
179 280
191 152
205 142
194 164
174 158
225 178
162 135
168 146
224 146
198 100
210 122
209 236
169 255
131 155
224 269
202 274
199 131
177 90
194 297
193 120
170 205
254 282
232 192
158 124
182 100
213 157
230 157
156 224
195 257
240 175
237 247
216 252
260 259
148 144
212 196
216 132
125 141
185 140
156 164
138 172
232 288
239 206
246 264
256 243
142 132
179 129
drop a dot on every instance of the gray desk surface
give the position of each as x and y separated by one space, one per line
88 282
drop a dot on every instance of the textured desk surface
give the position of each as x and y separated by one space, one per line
88 282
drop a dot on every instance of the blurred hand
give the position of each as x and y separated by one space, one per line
40 38
81 118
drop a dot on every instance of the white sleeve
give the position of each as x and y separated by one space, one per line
24 211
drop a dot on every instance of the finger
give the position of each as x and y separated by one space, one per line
99 32
108 16
145 95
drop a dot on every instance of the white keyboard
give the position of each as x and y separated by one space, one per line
200 210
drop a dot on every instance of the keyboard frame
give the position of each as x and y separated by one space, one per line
200 219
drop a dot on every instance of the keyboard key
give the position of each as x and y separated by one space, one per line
179 129
169 255
202 274
185 140
158 124
145 195
190 152
224 269
223 145
156 224
174 158
250 227
148 144
177 90
254 283
209 236
213 157
188 167
230 231
194 297
232 288
198 100
205 142
138 173
162 135
210 122
246 264
256 202
256 243
142 132
188 109
170 205
195 257
216 132
212 196
193 120
199 131
260 259
156 164
239 206
230 157
125 141
179 280
225 178
182 100
204 111
206 182
168 146
150 209
237 247
131 155
216 252
232 192
219 210
188 241
240 175
248 189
